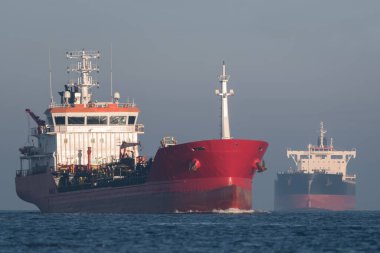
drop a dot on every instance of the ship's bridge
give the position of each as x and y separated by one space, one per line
323 158
99 117
103 126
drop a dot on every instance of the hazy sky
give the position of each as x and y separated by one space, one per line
292 64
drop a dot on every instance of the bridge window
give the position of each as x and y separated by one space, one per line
305 156
76 120
97 120
118 120
60 120
336 157
131 120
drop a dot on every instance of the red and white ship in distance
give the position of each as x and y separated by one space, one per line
87 158
320 181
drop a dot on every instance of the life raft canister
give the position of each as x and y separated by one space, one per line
194 165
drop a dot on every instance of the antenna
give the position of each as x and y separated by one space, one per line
84 67
308 158
50 86
322 135
27 132
111 74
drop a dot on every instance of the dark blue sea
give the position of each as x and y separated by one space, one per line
357 231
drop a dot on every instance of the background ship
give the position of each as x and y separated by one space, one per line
320 180
87 158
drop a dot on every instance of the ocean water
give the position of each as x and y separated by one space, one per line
220 231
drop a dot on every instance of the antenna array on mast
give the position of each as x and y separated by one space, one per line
84 66
322 135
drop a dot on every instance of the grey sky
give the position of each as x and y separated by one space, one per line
292 64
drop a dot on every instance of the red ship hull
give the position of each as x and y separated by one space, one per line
315 201
221 179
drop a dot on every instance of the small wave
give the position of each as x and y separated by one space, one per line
233 211
225 211
188 211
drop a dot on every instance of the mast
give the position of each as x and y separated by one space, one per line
111 75
50 86
84 67
322 136
224 94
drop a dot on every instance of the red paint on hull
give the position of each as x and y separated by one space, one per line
315 201
217 158
222 181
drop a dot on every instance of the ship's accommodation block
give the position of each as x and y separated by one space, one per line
102 127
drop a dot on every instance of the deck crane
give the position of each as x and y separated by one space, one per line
41 123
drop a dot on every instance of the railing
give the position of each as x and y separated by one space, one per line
33 171
126 105
351 177
94 105
23 173
95 128
44 130
139 128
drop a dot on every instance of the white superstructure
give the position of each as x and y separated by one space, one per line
322 158
224 94
81 131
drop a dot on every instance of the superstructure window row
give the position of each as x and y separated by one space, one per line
75 120
118 120
95 120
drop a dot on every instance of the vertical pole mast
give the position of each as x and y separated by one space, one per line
50 86
224 94
111 76
322 136
85 84
308 158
